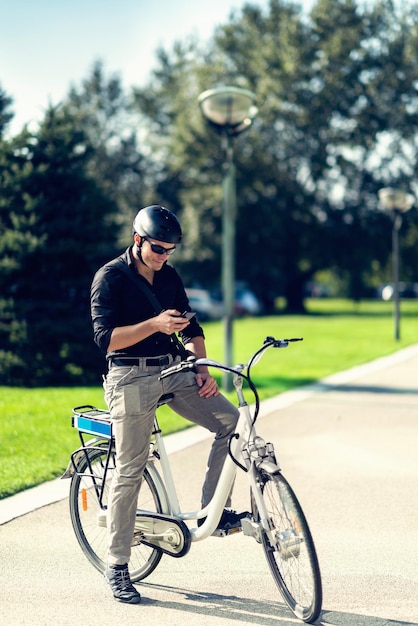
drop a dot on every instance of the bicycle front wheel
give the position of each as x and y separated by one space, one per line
89 515
289 548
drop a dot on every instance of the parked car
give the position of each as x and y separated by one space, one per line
246 302
406 290
204 305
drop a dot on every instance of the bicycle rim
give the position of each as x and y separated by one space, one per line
89 519
291 556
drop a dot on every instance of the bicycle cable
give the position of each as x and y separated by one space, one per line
269 342
253 388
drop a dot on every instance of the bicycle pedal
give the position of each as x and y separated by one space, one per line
222 532
252 529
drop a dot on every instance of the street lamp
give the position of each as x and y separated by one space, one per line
395 202
230 111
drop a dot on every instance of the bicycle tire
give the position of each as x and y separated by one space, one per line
89 518
292 559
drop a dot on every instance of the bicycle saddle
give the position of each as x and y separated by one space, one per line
165 398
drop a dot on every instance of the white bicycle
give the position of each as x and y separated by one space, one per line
276 521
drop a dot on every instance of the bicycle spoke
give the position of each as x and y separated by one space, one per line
291 553
89 519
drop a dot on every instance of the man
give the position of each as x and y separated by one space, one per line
138 341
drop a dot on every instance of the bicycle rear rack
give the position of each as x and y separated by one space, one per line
89 420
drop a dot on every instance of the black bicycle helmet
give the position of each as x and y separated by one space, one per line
158 223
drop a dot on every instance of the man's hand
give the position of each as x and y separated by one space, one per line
171 321
208 386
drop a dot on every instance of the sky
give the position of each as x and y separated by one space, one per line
48 45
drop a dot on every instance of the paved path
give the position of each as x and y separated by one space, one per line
348 445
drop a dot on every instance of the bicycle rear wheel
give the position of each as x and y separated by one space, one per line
89 518
291 555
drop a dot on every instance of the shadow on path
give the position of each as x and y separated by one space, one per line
250 611
345 388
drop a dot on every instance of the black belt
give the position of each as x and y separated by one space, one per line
149 362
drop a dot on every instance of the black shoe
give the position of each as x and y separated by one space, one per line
229 521
120 583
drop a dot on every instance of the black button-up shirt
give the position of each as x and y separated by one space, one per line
115 301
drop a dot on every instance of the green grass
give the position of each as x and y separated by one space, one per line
36 437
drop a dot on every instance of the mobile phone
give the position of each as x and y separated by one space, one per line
188 314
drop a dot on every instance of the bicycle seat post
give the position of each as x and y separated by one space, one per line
163 459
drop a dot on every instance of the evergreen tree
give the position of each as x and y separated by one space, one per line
6 114
58 227
104 112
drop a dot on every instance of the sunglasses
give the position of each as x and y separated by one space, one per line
160 249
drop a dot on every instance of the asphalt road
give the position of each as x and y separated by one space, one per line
349 448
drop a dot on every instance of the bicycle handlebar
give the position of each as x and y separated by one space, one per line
237 370
191 361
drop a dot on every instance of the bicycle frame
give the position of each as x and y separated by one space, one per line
245 448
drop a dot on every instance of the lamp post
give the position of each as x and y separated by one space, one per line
230 111
395 202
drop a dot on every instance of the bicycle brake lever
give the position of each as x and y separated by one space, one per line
283 343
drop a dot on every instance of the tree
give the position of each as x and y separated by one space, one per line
6 114
68 196
58 226
104 112
324 142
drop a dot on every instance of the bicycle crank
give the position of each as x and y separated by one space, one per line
164 532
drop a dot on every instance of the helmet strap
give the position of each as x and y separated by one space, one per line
139 249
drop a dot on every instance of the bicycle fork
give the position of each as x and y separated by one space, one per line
285 540
259 456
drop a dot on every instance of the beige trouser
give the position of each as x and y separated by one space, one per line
132 393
